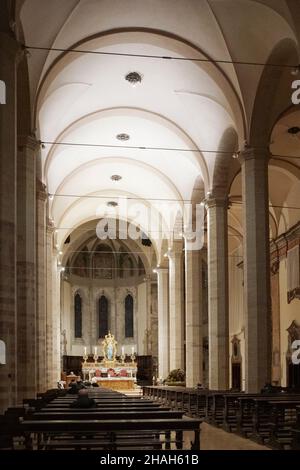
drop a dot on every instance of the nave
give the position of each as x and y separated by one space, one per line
150 220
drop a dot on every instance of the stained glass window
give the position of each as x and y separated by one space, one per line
78 315
129 333
103 316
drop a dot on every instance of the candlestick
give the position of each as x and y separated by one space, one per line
95 350
132 350
85 350
123 351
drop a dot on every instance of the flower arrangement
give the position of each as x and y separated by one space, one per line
176 377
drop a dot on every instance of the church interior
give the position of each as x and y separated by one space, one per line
150 224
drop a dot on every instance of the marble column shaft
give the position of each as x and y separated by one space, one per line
176 308
9 51
193 311
218 316
256 268
163 322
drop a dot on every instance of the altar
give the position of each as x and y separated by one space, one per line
116 383
111 372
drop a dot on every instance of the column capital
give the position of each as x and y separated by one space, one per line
10 47
28 141
41 190
254 153
173 253
161 270
50 226
216 201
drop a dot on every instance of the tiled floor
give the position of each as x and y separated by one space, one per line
216 439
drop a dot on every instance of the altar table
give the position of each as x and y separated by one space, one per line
116 383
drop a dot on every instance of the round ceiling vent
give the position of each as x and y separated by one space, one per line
133 78
123 137
116 177
112 204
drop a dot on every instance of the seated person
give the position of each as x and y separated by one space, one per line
80 384
94 382
83 400
73 388
61 384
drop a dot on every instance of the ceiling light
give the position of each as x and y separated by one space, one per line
294 130
235 155
133 78
50 197
116 177
123 137
112 204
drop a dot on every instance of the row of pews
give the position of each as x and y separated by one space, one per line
117 422
270 419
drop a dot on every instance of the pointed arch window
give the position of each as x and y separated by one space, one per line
103 316
78 315
129 330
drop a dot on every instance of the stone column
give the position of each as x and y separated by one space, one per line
26 267
9 49
275 295
41 197
56 321
193 320
49 304
256 268
218 317
176 308
163 322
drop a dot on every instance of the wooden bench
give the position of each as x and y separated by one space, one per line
107 434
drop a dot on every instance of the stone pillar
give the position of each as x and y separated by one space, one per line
193 320
176 307
275 295
41 197
56 321
218 317
163 322
256 268
8 299
49 304
26 267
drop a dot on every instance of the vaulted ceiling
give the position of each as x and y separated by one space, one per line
195 107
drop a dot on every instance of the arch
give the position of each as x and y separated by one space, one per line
129 320
273 93
103 316
77 315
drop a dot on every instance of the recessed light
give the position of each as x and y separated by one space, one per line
116 177
112 204
294 130
133 78
123 137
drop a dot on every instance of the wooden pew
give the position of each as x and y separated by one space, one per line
116 414
107 434
283 420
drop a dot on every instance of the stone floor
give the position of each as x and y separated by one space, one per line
216 439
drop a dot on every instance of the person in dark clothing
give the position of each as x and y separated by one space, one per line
73 388
83 400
